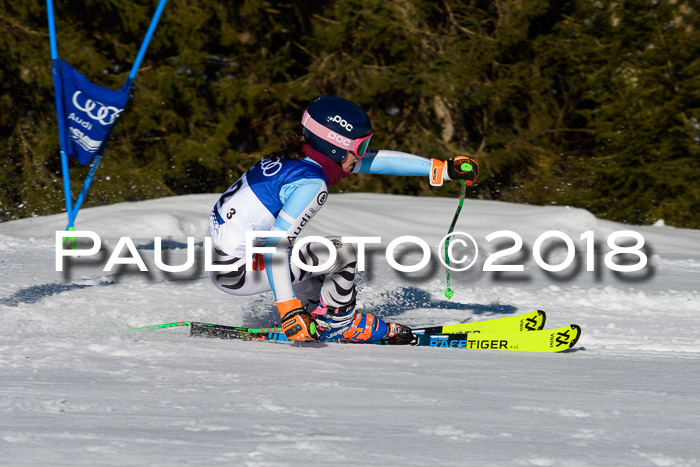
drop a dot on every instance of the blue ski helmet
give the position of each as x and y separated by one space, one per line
334 126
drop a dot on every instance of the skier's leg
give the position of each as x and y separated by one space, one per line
338 280
328 294
236 280
308 291
336 312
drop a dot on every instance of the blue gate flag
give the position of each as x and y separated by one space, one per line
89 113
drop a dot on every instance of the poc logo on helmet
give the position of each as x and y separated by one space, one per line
337 119
338 139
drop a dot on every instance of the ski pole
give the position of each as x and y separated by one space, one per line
189 323
449 293
161 326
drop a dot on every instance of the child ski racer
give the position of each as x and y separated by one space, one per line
283 192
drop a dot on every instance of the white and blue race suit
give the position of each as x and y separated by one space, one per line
280 194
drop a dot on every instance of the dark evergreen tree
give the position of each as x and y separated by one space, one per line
593 103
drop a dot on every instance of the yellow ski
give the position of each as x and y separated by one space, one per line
550 340
533 321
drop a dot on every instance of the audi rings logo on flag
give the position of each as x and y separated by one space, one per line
105 114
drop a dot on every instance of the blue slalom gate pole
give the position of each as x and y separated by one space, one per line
52 30
144 45
132 75
59 68
83 193
59 111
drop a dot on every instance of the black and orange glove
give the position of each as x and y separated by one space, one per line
459 168
463 168
297 324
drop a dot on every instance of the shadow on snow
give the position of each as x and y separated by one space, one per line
37 292
411 298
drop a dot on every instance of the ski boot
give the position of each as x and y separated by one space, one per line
344 324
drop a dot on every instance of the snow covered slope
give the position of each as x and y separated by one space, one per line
77 390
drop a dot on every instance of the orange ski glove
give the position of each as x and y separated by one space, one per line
297 324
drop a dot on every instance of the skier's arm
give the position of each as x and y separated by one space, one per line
302 200
393 163
402 163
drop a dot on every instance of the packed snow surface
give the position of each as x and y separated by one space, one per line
77 390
